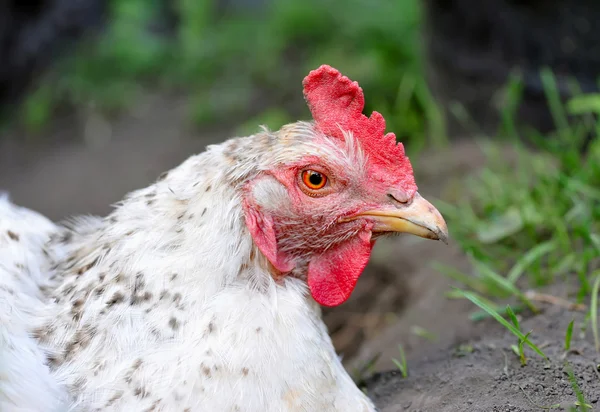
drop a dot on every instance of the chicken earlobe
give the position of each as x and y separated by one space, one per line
332 275
262 231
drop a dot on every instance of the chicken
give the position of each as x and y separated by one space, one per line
202 292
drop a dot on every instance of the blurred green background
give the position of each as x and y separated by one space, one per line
244 65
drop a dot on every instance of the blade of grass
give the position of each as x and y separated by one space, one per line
553 96
477 301
423 333
569 335
528 258
504 284
594 310
512 317
519 350
401 365
469 281
481 314
581 402
522 352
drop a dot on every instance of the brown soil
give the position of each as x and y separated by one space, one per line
61 174
491 378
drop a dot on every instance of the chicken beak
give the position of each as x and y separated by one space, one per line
419 218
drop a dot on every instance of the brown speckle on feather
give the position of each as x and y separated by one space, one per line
141 392
66 237
42 334
118 395
80 341
153 406
174 323
87 267
118 297
138 298
13 235
53 360
139 282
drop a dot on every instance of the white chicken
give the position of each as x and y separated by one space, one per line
201 292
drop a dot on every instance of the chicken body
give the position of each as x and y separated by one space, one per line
201 292
167 305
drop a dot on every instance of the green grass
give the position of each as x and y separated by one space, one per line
249 66
581 404
513 328
533 219
594 311
401 364
569 335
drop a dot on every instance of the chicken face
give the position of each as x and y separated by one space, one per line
321 213
328 190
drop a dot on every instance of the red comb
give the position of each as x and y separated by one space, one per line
336 104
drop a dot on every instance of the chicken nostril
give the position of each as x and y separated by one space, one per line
399 199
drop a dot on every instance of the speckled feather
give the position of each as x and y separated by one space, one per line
167 304
26 383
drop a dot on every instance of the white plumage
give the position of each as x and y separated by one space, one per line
151 310
177 301
26 384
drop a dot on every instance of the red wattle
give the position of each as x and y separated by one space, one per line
332 276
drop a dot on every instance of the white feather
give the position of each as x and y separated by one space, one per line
165 305
26 384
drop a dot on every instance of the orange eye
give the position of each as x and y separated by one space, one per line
313 179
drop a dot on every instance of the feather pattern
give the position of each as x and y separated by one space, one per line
199 292
26 383
167 305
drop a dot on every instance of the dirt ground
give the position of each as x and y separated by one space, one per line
491 378
60 174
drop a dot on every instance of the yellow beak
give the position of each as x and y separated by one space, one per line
419 218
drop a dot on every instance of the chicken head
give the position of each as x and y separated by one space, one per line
328 189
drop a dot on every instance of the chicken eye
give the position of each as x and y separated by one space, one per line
313 179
